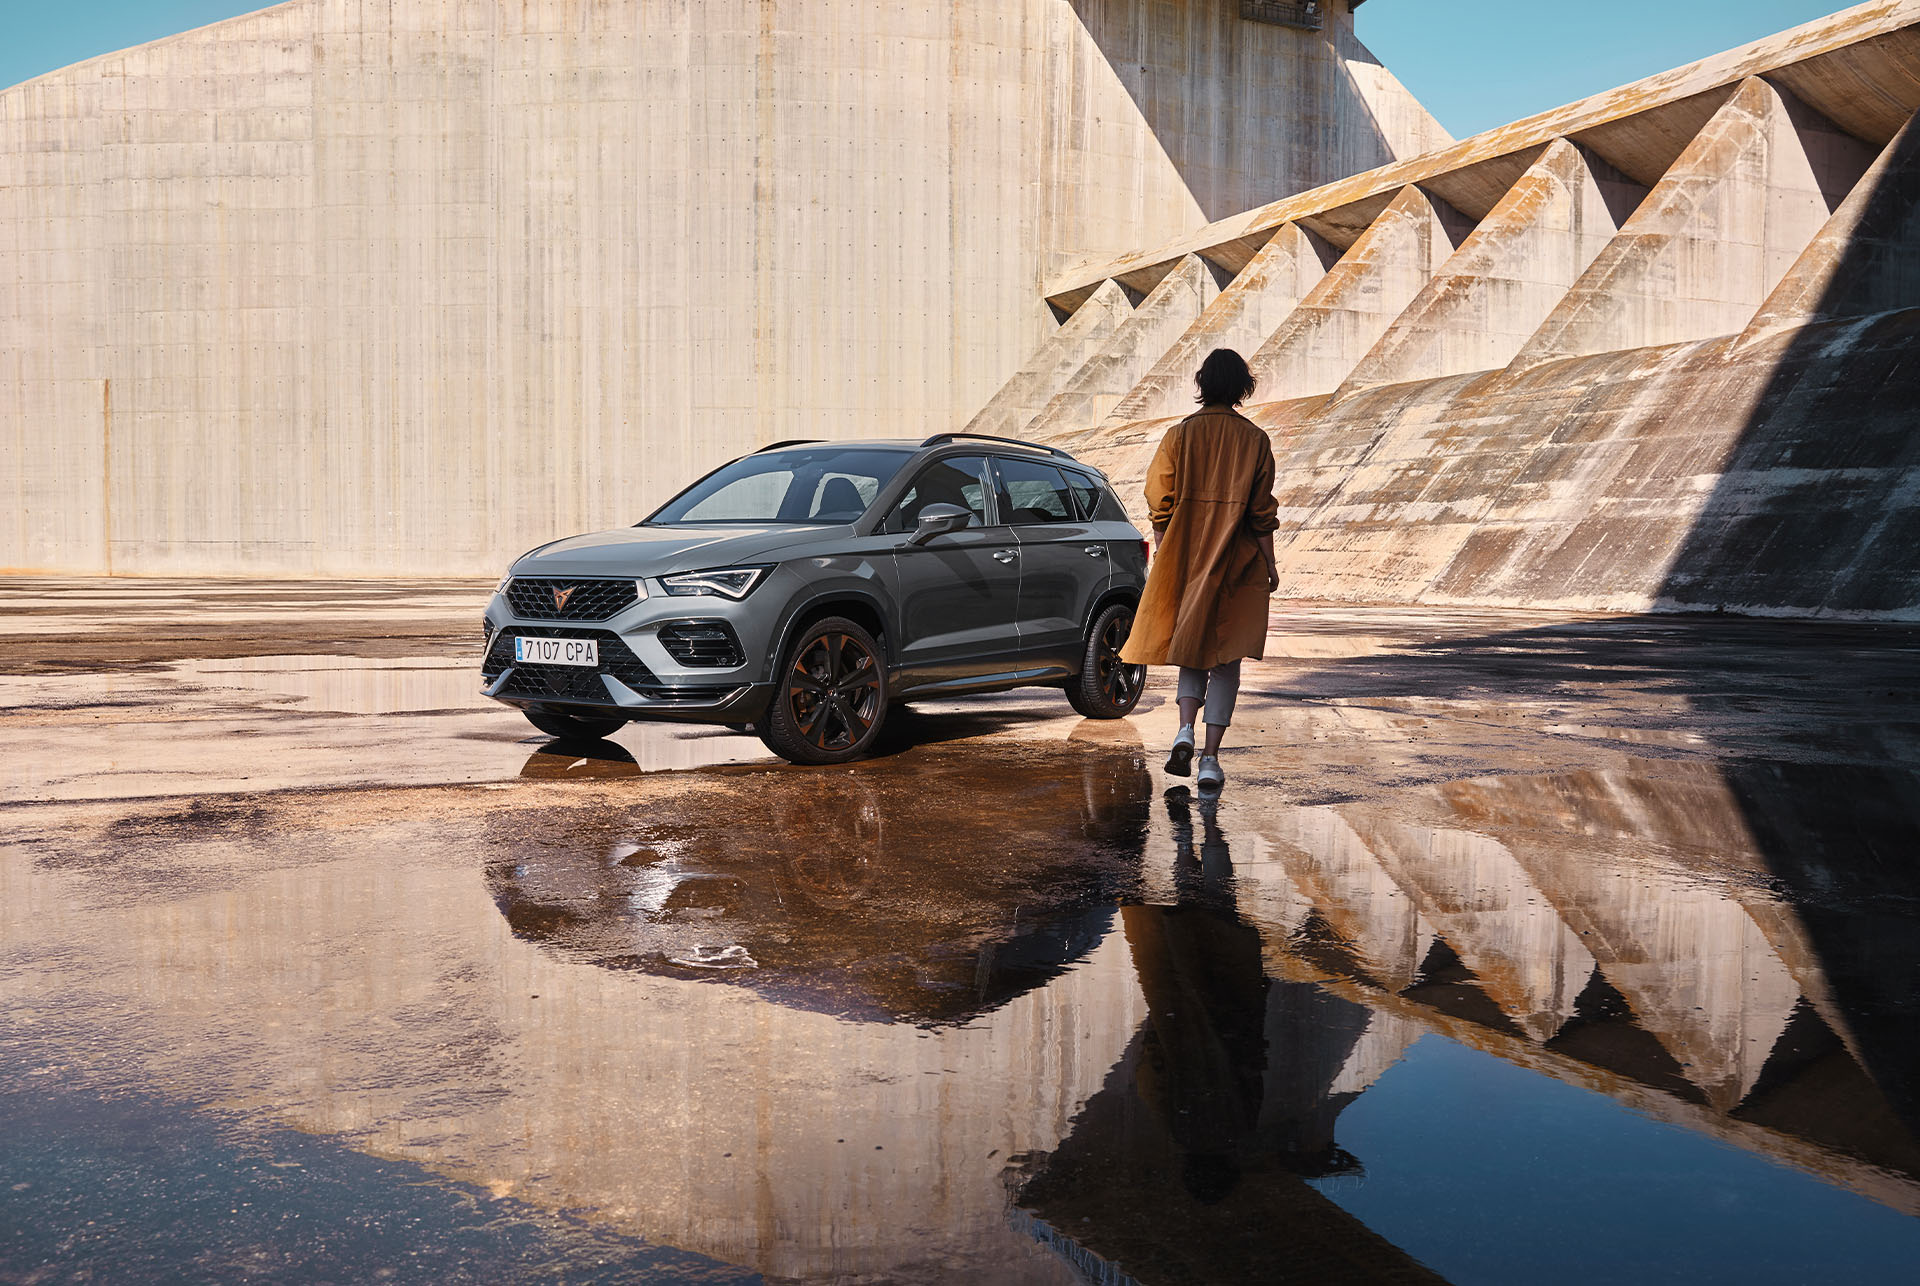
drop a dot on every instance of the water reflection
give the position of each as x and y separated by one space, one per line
1006 1002
879 895
1189 1163
1623 932
1628 931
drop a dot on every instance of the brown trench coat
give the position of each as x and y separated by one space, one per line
1210 496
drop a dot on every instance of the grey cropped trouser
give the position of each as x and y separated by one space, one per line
1218 687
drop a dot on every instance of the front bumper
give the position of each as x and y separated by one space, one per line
639 676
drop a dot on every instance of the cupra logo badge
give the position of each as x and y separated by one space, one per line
560 597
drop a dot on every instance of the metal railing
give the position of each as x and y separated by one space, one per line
1309 16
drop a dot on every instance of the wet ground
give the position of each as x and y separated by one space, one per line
1517 949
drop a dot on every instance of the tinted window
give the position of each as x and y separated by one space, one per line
1086 494
1036 492
955 481
1096 500
823 484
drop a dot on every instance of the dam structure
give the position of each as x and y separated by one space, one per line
1651 351
346 288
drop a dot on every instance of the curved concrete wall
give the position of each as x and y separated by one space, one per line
340 287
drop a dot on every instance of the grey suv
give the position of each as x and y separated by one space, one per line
804 588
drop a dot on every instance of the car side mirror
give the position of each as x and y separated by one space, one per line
938 520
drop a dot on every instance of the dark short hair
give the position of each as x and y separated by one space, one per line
1224 379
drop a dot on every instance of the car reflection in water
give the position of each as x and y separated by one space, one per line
896 892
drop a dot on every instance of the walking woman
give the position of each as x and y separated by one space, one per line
1210 496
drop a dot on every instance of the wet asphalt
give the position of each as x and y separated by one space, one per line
1517 948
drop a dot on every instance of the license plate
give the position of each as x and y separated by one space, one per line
556 651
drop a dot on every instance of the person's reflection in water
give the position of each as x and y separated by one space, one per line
1191 1163
1230 1059
1203 1053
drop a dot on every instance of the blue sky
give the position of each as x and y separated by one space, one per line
1475 65
1480 65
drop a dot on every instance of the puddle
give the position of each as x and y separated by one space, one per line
1028 1016
347 684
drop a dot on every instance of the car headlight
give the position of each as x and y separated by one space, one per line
727 582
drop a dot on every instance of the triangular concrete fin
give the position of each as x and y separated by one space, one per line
1053 364
1866 259
1316 347
1270 287
1701 252
1493 294
1130 351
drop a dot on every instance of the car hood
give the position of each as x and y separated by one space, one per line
658 551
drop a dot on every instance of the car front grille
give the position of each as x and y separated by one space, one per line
564 682
707 644
533 681
532 598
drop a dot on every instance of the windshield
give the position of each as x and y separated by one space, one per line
823 484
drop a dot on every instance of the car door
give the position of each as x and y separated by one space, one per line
958 593
1063 562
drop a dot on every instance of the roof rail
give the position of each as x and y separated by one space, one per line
789 442
988 437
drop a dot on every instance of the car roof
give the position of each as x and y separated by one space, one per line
966 443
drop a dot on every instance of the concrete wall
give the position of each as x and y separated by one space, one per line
1648 352
407 287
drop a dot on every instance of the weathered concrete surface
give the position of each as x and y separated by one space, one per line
1261 296
1169 311
1055 363
1617 853
1511 272
1778 475
1859 68
1714 237
1866 259
384 289
1345 314
1694 396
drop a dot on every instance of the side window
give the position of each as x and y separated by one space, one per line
1036 492
954 481
1086 494
1096 499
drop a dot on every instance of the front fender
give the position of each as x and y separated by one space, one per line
835 579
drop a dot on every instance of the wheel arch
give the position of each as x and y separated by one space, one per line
1119 593
865 610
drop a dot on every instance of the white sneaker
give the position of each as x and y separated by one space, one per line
1180 758
1210 778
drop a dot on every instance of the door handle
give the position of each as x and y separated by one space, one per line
1004 555
1095 551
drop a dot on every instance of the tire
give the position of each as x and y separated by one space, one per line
1107 687
830 697
574 727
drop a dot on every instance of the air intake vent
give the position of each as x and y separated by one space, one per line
706 644
1307 17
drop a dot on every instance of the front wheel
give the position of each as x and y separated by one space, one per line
831 696
573 727
1107 687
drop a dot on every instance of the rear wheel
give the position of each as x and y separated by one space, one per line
831 697
573 727
1107 687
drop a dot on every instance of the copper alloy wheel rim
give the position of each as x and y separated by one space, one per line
833 692
1120 681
